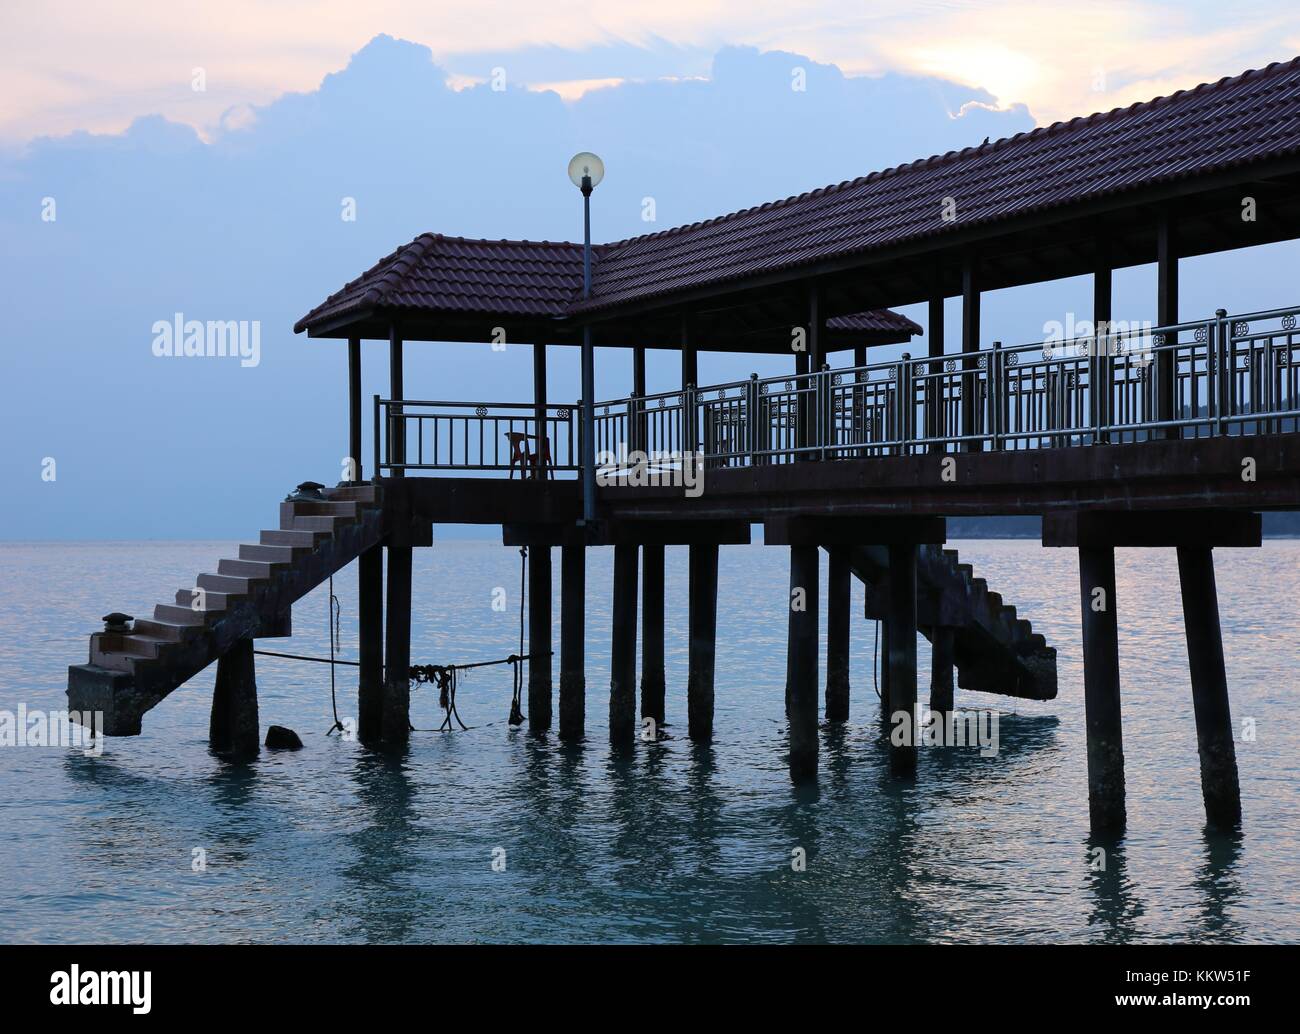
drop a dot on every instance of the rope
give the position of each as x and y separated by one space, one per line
875 659
333 625
516 713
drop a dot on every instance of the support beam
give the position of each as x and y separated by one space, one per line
539 638
370 621
902 658
622 678
1219 783
395 722
838 605
801 662
1166 314
1152 528
703 629
1101 693
970 343
354 406
233 727
573 677
652 634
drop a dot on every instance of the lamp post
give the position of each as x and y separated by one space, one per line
585 171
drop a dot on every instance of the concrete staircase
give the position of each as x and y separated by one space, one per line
995 650
248 597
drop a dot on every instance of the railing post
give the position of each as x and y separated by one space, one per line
377 471
752 418
824 425
690 422
634 443
995 396
1222 369
900 410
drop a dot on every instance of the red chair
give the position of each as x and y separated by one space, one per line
519 453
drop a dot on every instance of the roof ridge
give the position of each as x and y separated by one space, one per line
952 156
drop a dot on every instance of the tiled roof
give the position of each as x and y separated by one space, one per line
435 273
1235 121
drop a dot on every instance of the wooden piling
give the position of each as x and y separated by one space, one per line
1101 692
622 678
801 662
703 629
539 638
233 728
941 665
395 722
573 678
1219 781
838 616
902 658
652 633
370 621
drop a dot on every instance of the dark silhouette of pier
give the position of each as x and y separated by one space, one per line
1175 435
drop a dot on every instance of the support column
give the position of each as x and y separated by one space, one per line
703 624
622 679
370 620
233 727
541 430
539 638
902 657
934 391
395 717
970 343
1101 317
838 605
1219 783
652 633
397 444
573 678
354 406
801 662
1101 694
1166 313
637 430
941 668
395 721
883 655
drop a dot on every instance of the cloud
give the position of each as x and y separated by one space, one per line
81 64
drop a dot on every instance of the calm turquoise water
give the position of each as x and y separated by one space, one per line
677 843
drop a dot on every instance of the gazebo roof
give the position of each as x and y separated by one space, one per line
436 275
1038 205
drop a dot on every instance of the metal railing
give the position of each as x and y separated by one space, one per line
418 435
1217 376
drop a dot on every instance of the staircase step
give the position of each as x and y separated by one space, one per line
359 493
343 508
143 646
164 630
178 615
209 601
313 523
283 537
995 599
231 585
269 554
253 570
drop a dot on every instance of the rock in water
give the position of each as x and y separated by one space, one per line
280 738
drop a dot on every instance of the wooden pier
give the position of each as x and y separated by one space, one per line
1174 435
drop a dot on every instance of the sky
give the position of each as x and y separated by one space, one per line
128 195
